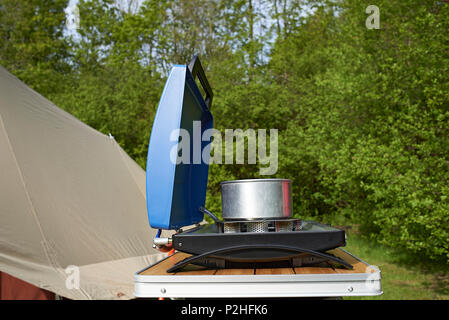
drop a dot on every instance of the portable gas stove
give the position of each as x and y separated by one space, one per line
258 225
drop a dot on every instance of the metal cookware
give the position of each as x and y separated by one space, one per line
256 199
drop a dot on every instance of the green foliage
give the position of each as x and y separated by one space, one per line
121 102
363 115
370 140
32 44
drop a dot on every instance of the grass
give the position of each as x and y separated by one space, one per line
404 277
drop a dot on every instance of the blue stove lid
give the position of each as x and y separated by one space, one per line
176 179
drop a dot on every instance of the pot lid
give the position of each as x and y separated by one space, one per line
176 179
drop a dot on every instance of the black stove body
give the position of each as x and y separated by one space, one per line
312 236
213 248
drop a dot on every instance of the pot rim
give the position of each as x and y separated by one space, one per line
255 180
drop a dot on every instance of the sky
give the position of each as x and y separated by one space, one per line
261 27
71 21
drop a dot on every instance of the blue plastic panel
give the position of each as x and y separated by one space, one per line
176 191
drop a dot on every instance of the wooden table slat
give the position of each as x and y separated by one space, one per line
233 272
275 271
196 270
359 267
314 270
161 267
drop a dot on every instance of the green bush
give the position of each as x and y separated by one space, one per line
369 144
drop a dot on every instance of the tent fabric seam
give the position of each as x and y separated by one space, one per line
127 167
33 210
67 115
30 202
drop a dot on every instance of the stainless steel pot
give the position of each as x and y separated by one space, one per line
256 199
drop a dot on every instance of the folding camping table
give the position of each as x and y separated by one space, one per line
199 282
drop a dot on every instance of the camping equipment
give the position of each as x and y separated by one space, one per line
258 223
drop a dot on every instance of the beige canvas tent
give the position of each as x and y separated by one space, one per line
70 200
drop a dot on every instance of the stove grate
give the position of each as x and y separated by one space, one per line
286 225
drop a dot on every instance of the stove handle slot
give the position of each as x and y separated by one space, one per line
196 69
192 259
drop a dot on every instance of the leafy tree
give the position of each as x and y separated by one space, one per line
370 140
32 45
